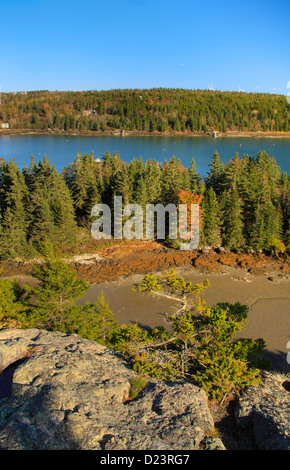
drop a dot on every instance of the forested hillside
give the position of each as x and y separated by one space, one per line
161 110
245 203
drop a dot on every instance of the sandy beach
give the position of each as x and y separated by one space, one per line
268 301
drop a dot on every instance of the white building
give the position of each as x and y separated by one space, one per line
5 125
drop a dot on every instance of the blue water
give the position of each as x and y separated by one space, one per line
61 149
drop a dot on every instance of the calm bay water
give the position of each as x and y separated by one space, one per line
61 149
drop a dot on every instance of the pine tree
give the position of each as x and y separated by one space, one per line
14 305
57 289
136 174
285 207
99 322
171 181
50 208
216 176
194 176
233 172
61 204
211 224
40 219
233 221
152 180
13 200
83 179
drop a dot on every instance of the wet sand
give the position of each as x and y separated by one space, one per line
269 302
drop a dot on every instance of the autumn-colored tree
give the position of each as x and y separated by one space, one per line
189 198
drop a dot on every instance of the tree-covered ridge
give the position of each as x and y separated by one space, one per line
245 204
149 110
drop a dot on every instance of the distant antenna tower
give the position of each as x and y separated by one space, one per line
211 88
240 89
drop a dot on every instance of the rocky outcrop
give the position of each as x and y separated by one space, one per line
71 393
265 410
59 391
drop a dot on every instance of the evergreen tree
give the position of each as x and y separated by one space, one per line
84 181
40 219
50 208
194 177
211 223
14 305
136 174
216 176
171 181
233 221
233 172
285 207
97 321
152 178
56 292
13 200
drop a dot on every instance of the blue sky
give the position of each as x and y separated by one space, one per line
86 45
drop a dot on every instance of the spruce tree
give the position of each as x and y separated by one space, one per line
152 180
40 219
211 224
216 176
50 208
233 221
194 176
13 201
84 180
57 290
97 321
171 181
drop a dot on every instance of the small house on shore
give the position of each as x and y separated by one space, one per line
5 125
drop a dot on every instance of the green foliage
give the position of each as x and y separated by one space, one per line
211 222
221 372
233 224
246 202
157 366
127 339
276 245
52 304
136 386
200 346
94 321
159 109
149 283
56 292
97 321
179 284
14 305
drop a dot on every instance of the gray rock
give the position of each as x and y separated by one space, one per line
71 393
266 411
214 443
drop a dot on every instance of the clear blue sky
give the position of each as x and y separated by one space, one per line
86 45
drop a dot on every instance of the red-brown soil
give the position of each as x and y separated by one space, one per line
141 257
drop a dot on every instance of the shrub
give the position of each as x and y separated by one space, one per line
276 245
200 346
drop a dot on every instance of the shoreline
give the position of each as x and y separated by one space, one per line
268 302
120 133
258 280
